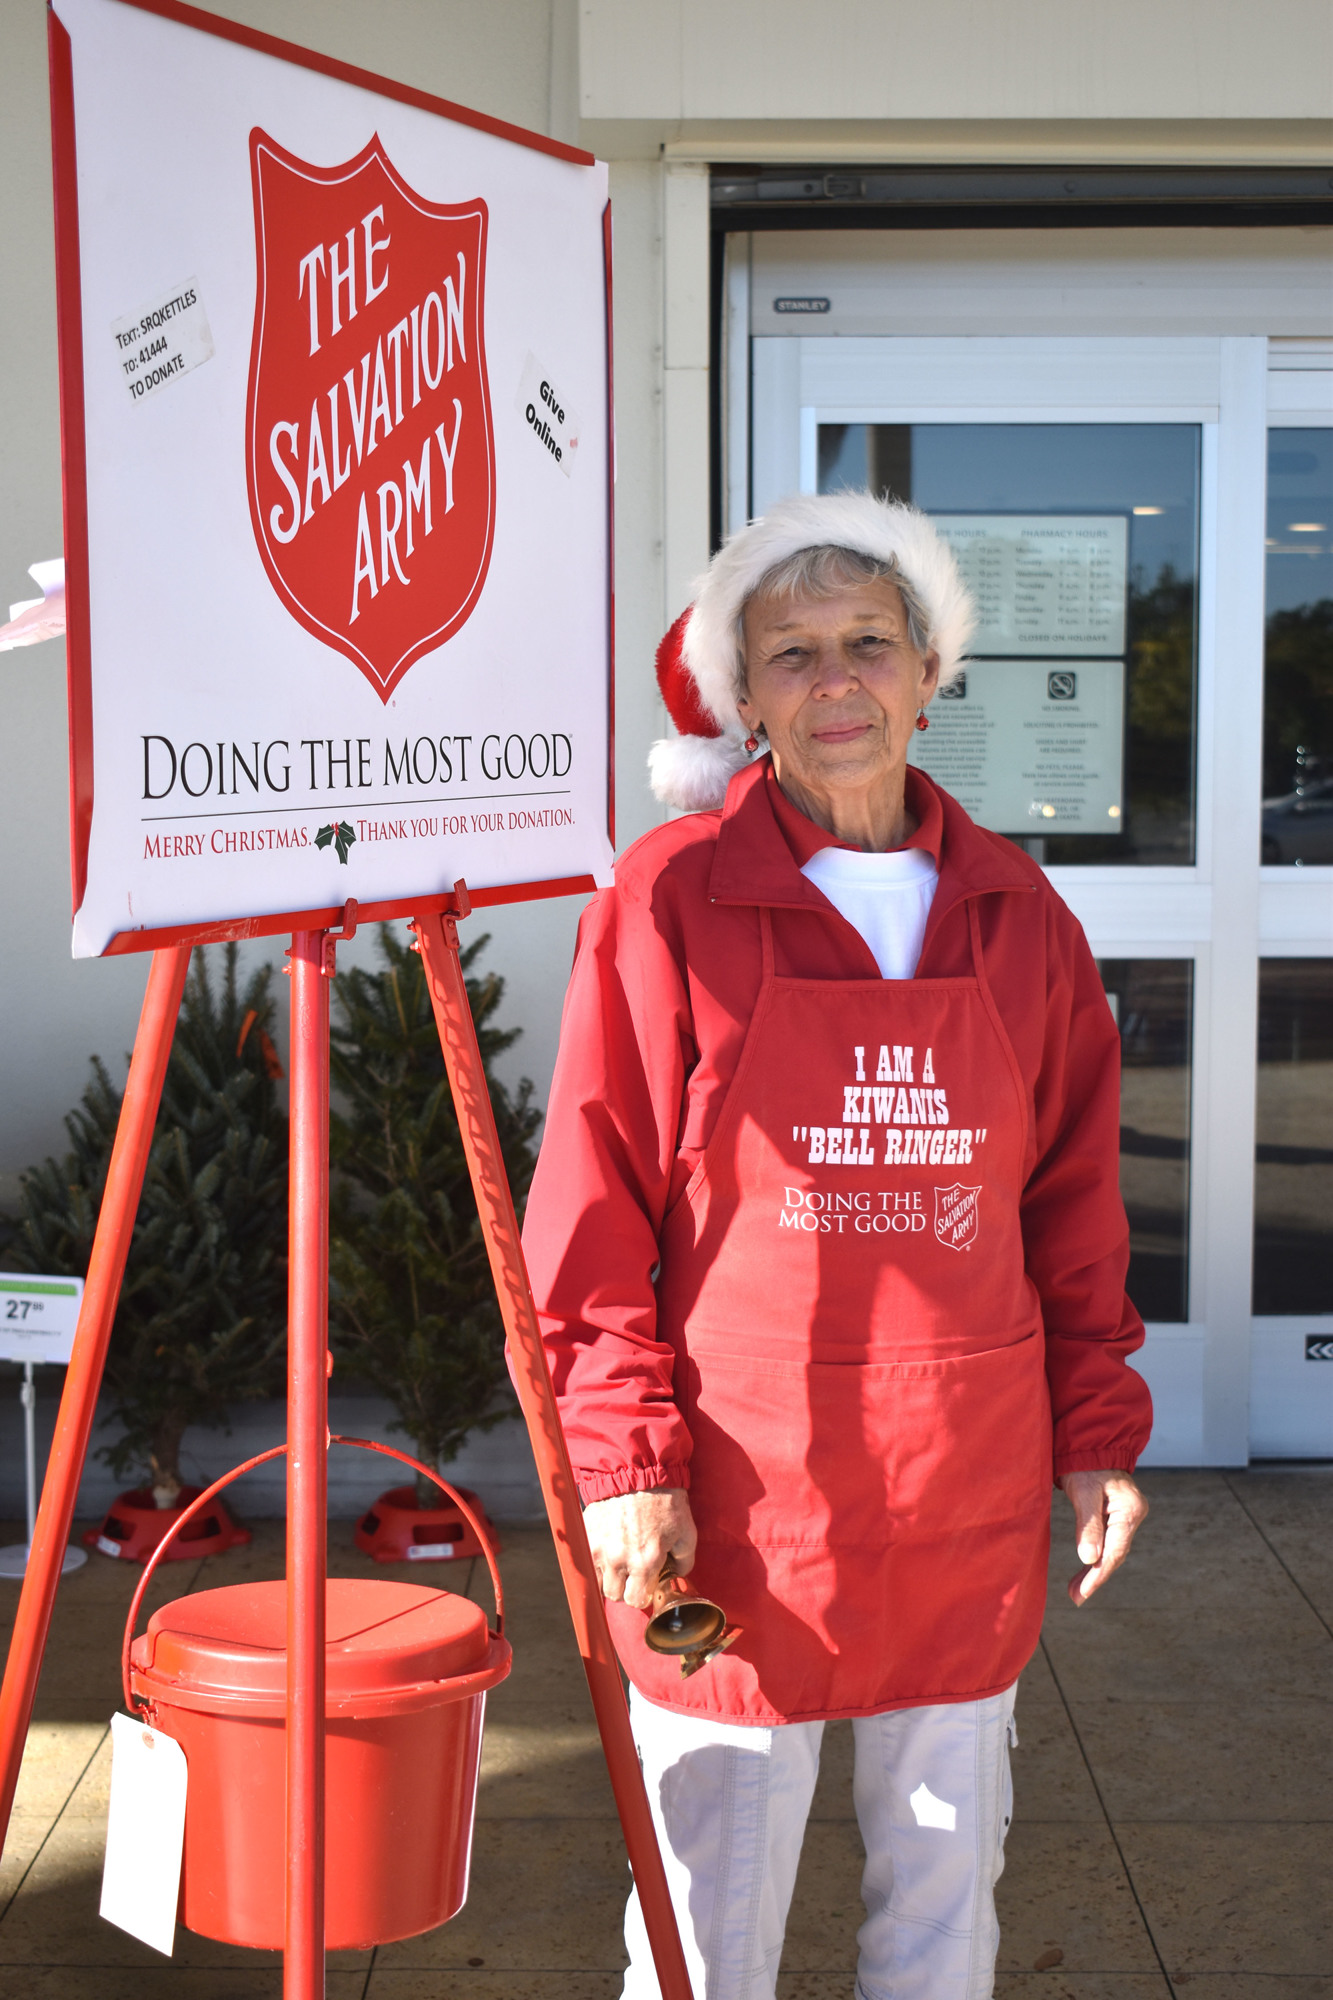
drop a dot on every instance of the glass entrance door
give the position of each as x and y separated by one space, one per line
1106 498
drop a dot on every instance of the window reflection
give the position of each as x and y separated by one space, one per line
1298 650
1293 1179
1151 999
1147 472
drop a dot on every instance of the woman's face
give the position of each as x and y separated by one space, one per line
836 683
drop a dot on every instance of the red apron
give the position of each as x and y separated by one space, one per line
859 1359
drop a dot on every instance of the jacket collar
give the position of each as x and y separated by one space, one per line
753 863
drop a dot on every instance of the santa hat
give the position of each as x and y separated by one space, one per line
699 667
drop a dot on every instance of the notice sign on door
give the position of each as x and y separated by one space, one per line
338 578
1044 585
1028 748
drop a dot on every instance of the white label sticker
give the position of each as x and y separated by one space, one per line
554 425
168 338
145 1833
418 1552
107 1546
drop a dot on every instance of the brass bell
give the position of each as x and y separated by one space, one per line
685 1625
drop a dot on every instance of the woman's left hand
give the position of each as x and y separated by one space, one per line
1108 1511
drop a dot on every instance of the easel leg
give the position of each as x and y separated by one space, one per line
307 1466
78 1403
467 1078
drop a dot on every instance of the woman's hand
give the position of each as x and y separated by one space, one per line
632 1534
1108 1511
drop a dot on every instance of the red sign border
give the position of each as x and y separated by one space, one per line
74 469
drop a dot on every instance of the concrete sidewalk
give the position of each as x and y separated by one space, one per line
1173 1824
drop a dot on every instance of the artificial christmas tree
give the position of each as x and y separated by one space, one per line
201 1320
413 1310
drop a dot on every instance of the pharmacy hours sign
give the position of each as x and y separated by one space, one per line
339 570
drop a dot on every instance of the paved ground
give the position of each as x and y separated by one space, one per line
1174 1816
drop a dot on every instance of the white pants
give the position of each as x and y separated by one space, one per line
933 1800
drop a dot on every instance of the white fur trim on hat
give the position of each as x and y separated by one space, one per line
693 772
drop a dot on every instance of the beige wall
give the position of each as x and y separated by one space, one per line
1025 59
658 87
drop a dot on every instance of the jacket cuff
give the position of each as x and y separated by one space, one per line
1116 1458
629 1479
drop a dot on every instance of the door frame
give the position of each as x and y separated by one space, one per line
780 388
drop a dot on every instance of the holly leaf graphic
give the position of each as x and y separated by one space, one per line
341 834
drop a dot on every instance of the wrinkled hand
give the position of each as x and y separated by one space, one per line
631 1536
1108 1511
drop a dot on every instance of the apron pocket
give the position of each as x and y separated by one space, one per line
868 1455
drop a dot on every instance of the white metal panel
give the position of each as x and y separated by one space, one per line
1291 1399
775 445
1174 381
1301 396
685 343
1044 282
736 383
1134 918
1296 912
1172 1361
1223 1165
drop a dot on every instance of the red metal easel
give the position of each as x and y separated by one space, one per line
312 965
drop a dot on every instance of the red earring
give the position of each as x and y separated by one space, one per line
752 744
922 719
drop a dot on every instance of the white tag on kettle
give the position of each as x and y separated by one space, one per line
145 1833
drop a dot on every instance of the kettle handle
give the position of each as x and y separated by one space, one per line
279 1451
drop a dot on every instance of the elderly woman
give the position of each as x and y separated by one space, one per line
830 1253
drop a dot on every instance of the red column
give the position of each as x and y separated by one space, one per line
499 1223
307 1466
78 1403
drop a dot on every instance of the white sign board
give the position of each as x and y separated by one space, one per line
1030 748
334 373
38 1316
1045 585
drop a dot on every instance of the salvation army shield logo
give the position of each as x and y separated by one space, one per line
956 1216
370 457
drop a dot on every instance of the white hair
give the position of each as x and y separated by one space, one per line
807 545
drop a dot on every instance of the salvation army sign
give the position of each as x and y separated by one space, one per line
337 546
373 513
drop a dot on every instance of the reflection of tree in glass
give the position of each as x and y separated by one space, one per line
1298 697
1161 689
1159 731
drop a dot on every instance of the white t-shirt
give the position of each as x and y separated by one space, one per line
886 897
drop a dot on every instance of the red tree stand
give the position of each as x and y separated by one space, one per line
397 1528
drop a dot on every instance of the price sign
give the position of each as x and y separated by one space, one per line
38 1316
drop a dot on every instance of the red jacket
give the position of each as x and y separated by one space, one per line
665 980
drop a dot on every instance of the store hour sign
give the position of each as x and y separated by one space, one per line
1030 738
1044 584
338 610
